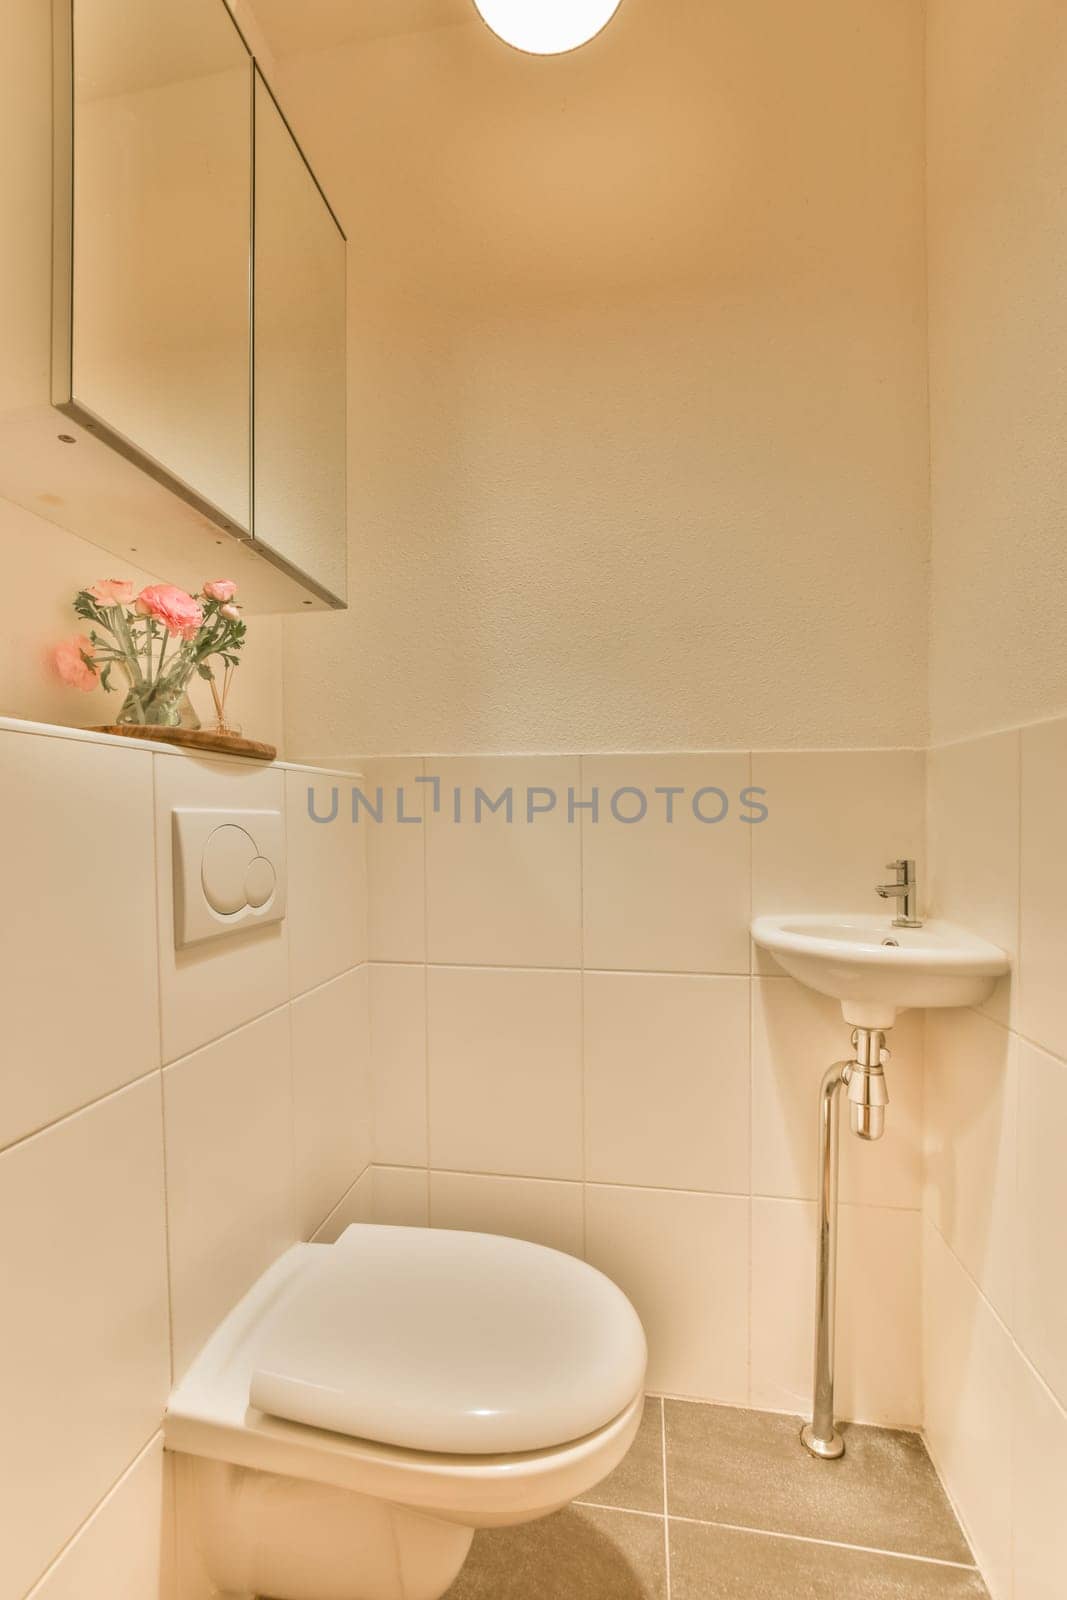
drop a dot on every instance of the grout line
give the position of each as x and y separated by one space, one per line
666 1503
651 1188
78 1111
832 1544
738 974
295 1177
324 983
751 1140
37 1586
228 1033
794 1416
998 1318
1016 1032
795 1538
623 1511
954 1506
157 944
1014 978
168 1272
343 1200
424 840
581 999
638 751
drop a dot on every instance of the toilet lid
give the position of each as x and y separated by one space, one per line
455 1343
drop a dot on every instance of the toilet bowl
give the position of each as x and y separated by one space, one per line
370 1403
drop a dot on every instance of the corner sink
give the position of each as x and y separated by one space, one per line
876 969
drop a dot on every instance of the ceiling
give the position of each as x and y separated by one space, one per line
697 140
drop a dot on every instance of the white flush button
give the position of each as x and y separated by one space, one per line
228 855
259 882
229 872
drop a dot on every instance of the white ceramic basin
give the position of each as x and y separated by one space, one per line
876 970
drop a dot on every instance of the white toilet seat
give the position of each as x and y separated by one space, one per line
210 1415
454 1343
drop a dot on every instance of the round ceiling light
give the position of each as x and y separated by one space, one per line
547 27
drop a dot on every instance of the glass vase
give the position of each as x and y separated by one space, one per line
160 707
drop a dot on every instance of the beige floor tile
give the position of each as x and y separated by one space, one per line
748 1469
637 1482
709 1563
583 1553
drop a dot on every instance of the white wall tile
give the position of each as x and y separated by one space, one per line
878 1365
973 844
1043 894
400 1197
398 1057
396 858
521 1208
77 940
835 818
331 1094
796 1035
1040 1251
663 896
208 989
783 1304
500 893
84 1343
968 1371
119 1551
879 1314
970 1135
683 1261
327 908
505 1071
1040 1463
667 1080
228 1117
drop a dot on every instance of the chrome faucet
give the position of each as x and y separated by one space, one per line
906 890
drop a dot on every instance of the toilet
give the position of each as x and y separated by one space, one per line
370 1403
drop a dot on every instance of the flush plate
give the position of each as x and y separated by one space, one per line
229 872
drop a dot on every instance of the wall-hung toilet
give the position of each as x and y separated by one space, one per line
370 1403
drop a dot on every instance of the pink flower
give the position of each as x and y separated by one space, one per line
70 663
231 613
180 614
112 592
221 589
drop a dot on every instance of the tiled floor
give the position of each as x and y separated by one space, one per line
714 1503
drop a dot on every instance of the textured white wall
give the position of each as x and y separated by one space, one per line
638 393
998 337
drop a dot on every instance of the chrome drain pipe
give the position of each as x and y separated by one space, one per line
864 1077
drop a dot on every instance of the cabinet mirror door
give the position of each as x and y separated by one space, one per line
160 320
299 361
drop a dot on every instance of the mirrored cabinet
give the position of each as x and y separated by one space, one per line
298 324
193 413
